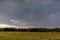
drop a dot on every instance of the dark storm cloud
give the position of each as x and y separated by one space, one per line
30 12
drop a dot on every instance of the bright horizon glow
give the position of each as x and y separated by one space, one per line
14 26
6 26
11 26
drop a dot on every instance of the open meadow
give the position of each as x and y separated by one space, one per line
29 35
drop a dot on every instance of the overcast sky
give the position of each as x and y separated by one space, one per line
30 12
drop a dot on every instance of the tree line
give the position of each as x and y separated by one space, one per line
31 29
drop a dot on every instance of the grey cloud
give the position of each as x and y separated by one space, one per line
33 12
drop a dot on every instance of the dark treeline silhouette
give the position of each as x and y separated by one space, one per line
31 29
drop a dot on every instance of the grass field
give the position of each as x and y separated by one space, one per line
29 35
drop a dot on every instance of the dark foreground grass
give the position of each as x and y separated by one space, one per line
29 35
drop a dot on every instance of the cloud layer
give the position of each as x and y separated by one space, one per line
30 12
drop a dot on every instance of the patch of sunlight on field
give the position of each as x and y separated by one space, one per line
29 35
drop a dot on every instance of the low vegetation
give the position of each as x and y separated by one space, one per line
29 35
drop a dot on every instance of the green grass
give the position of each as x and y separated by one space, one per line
29 35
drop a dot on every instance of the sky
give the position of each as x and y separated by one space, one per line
34 13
